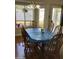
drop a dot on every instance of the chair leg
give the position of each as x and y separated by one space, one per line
25 51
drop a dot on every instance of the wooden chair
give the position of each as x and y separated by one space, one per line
29 47
59 43
53 47
25 38
61 52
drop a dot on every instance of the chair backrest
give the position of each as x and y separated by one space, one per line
57 29
24 34
51 26
54 41
61 29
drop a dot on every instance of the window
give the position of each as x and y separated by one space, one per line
41 17
19 14
24 18
29 14
56 16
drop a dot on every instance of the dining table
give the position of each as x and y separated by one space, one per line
39 36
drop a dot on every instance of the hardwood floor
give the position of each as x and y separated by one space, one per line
19 48
19 51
